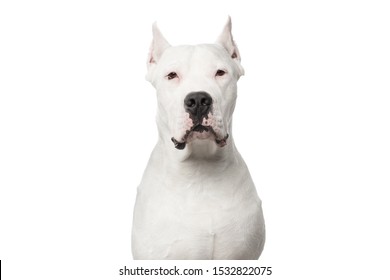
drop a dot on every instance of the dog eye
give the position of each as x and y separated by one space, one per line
220 73
172 75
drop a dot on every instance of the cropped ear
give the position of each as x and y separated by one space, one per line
158 46
226 40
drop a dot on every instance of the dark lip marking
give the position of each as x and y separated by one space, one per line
222 142
180 145
200 128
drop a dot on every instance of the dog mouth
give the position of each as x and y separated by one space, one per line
199 132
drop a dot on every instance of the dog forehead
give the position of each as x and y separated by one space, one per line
205 55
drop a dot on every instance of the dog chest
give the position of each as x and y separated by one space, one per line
197 225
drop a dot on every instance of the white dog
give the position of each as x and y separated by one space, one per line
196 199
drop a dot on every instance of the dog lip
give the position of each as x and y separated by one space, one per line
200 128
222 142
180 145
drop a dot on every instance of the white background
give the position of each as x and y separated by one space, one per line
77 125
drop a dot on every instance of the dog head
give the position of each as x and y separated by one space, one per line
196 88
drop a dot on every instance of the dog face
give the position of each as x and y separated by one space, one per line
196 88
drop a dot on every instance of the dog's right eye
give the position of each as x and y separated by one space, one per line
172 75
220 73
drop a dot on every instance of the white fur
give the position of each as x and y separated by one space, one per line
199 202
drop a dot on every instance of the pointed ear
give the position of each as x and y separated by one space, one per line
158 46
226 40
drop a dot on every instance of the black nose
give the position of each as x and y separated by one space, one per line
198 105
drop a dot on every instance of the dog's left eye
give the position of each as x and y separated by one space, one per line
220 72
172 75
